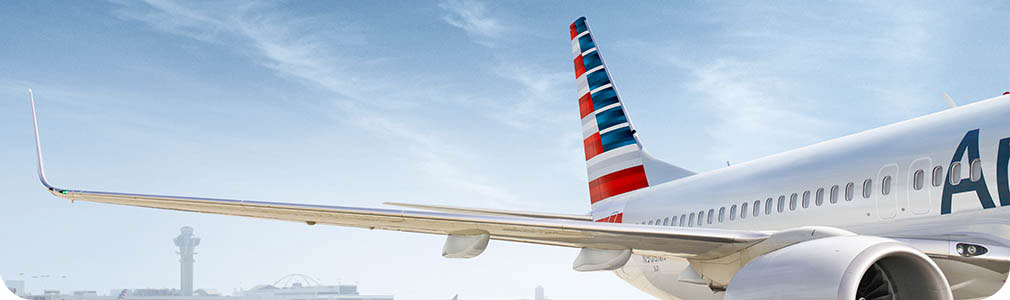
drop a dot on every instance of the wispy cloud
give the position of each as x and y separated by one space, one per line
541 99
432 154
295 48
474 18
752 70
753 110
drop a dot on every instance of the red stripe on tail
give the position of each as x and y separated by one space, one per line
580 66
593 145
617 183
586 105
618 218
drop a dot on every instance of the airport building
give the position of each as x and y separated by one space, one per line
15 286
290 287
301 287
293 291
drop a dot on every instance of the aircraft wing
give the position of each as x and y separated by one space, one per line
654 240
682 242
493 212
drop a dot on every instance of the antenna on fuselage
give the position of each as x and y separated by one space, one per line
950 102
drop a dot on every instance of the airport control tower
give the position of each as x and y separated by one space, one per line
186 243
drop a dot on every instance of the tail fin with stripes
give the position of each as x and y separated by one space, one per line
615 159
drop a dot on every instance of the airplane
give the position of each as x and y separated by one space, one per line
122 295
911 210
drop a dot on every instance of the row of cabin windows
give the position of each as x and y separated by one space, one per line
918 183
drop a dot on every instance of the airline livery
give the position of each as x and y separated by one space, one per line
913 210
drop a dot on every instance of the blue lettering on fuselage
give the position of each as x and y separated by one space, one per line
969 146
1002 161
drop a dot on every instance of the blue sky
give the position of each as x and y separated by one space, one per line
464 103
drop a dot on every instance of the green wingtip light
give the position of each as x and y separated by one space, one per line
63 192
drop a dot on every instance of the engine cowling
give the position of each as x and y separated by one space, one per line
843 268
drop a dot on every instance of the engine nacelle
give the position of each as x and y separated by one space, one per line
843 268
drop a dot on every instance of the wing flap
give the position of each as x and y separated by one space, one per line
493 212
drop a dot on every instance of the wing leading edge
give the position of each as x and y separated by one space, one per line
665 241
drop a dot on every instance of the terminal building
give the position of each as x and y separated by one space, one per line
306 289
291 291
290 287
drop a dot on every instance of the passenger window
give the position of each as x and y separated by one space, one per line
768 206
757 208
918 179
650 222
955 172
701 218
666 221
885 185
820 197
743 210
732 212
937 176
792 201
691 223
976 169
834 194
867 188
806 199
850 190
673 221
711 215
683 218
782 204
722 214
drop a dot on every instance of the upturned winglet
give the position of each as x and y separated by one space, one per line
38 147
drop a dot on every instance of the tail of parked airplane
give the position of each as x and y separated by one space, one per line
616 162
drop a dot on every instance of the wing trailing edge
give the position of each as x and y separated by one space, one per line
492 212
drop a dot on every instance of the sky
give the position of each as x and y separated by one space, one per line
461 102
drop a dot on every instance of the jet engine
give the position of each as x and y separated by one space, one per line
844 267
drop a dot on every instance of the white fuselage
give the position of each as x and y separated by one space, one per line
901 153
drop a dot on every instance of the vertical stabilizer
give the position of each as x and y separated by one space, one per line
616 162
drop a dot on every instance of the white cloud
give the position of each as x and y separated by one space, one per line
542 98
753 110
295 47
292 48
776 77
474 18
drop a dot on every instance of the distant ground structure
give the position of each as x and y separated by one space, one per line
300 286
290 287
187 243
15 286
538 294
290 290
